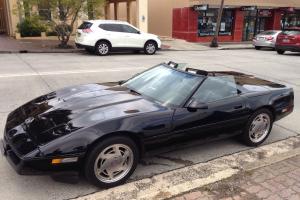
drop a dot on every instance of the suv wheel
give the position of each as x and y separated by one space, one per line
102 48
258 127
280 51
111 162
150 48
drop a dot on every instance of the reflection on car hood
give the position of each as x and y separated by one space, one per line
61 112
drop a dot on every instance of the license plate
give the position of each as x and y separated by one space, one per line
261 38
285 40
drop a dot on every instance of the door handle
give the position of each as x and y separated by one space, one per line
155 127
238 107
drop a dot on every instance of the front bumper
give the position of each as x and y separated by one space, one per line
41 166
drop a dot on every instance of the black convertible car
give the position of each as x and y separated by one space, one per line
103 129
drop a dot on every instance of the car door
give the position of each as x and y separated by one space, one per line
220 108
134 38
115 34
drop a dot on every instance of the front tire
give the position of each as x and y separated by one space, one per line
111 162
258 128
102 48
257 47
150 48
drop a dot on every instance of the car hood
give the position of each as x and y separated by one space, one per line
64 111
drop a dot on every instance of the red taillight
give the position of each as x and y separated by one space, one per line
269 38
88 30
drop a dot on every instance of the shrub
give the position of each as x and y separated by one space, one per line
31 27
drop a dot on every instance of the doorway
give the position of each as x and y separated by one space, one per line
249 28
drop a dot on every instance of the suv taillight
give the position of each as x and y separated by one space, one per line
87 30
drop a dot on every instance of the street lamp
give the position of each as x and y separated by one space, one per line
214 42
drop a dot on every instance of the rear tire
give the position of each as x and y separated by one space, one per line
111 162
150 48
102 48
280 51
258 128
257 47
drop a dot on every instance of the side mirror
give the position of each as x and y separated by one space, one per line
195 104
138 32
121 82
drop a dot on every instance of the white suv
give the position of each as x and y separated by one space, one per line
103 36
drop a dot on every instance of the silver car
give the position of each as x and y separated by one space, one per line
266 39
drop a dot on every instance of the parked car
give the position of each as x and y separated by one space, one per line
266 39
288 40
104 129
103 36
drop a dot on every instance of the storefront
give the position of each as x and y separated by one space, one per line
290 18
239 23
255 21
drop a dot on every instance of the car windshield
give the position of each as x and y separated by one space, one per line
164 84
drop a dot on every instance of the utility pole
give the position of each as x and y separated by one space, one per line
214 42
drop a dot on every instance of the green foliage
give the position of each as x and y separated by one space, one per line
62 14
31 27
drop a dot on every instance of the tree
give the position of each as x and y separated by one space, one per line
214 42
63 13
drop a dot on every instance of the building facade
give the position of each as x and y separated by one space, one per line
241 20
192 20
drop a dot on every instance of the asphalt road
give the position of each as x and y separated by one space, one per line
25 76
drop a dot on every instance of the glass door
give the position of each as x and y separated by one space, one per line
249 28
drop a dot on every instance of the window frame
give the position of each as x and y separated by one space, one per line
204 14
111 24
238 93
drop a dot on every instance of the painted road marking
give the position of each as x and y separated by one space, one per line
66 72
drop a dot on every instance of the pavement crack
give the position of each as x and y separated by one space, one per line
34 70
176 160
145 163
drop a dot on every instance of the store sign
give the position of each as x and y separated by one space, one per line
288 9
248 8
265 13
200 7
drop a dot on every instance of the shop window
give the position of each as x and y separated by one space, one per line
291 20
44 10
207 22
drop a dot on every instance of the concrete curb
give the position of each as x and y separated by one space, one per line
234 48
176 182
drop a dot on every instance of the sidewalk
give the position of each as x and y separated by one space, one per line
10 45
274 182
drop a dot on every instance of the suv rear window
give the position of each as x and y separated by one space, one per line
85 25
111 27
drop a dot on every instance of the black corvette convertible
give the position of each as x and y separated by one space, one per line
103 129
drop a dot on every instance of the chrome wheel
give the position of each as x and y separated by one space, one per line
150 48
259 127
113 163
103 48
